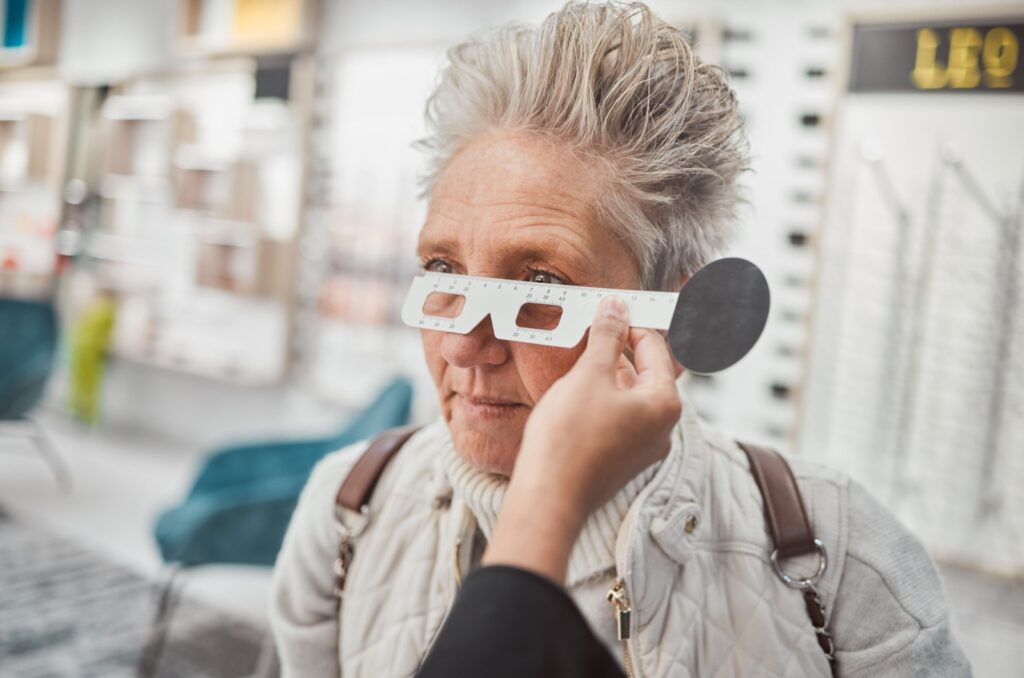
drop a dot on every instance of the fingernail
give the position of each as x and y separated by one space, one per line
613 307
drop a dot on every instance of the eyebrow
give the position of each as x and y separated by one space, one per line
440 246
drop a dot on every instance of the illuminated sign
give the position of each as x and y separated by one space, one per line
962 56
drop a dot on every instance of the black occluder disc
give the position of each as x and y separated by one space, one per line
719 316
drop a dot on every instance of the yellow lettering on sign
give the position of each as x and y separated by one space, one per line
1000 57
964 49
970 58
928 73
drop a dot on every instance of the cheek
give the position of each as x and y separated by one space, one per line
541 366
432 353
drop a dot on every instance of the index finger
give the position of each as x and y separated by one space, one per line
651 357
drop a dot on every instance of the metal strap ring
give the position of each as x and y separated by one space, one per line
802 584
344 531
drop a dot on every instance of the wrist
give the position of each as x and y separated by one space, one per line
555 486
536 530
557 499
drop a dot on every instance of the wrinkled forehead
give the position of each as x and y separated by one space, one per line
507 202
501 166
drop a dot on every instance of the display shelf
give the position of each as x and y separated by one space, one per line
208 334
131 187
139 251
142 132
33 122
227 267
25 143
30 32
228 232
254 27
225 188
200 204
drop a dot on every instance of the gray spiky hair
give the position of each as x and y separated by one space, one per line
624 90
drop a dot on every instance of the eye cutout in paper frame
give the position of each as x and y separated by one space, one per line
713 322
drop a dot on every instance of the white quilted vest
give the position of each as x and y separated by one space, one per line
691 555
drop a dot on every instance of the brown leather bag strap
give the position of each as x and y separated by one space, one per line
783 506
791 532
358 486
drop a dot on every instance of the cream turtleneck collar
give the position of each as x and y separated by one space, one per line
594 552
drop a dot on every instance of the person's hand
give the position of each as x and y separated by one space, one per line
595 429
606 419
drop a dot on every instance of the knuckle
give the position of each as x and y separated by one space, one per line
611 323
608 330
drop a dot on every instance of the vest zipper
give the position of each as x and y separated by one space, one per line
464 537
617 596
623 619
458 563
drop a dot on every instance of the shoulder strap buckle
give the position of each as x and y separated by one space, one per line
355 493
792 535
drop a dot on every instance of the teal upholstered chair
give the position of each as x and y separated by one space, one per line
243 497
28 344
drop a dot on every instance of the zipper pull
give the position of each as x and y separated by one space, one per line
458 563
617 597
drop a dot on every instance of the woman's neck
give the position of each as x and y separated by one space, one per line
595 549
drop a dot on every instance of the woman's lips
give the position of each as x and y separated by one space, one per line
486 408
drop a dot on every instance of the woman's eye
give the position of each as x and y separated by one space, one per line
545 278
438 266
536 275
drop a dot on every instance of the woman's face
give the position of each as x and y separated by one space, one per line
510 205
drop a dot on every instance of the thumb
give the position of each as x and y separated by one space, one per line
608 334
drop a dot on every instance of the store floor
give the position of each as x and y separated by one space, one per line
122 479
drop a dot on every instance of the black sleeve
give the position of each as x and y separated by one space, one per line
510 622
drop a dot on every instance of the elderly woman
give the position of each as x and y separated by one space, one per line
595 150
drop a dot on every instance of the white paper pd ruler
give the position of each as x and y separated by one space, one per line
457 303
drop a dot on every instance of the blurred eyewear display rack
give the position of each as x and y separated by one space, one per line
916 378
363 218
198 184
34 108
782 65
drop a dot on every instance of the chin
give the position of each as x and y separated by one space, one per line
485 451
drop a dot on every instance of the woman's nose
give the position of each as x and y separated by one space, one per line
479 347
